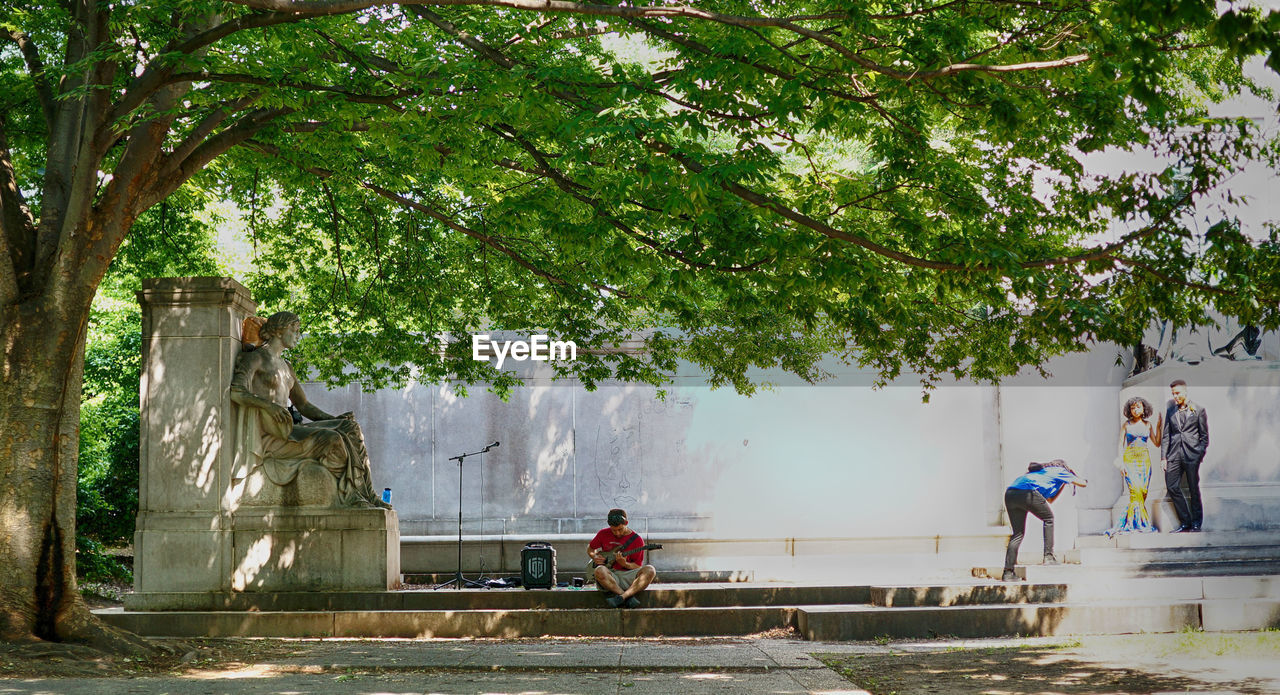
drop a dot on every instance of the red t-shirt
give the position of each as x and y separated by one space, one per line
605 541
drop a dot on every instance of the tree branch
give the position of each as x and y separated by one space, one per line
330 7
576 189
35 68
806 221
490 241
156 76
17 228
174 172
337 242
209 124
698 47
71 168
356 97
1106 251
1169 279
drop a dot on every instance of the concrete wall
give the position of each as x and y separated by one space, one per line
837 460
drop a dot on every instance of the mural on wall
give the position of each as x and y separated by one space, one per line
638 453
617 464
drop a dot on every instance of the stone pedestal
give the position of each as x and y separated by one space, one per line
193 533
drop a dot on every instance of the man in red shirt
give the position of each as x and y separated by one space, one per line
627 576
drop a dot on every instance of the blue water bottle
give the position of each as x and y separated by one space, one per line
386 495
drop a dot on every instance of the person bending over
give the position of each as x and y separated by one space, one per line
1032 492
626 575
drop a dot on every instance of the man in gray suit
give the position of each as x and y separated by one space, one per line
1182 448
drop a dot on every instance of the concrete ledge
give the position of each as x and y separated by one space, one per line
658 596
600 622
833 623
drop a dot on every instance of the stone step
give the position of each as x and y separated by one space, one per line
1074 572
1085 587
825 623
1181 540
835 623
1100 557
449 599
597 622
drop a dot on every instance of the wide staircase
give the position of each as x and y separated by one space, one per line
1132 583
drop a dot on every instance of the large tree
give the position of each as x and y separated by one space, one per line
900 184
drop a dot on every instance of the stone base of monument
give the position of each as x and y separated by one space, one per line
319 550
312 487
265 550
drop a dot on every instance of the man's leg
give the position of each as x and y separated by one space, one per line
1196 506
643 579
1039 506
604 578
1173 483
1015 506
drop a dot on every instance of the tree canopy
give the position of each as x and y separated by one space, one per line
900 184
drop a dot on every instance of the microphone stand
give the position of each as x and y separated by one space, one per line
458 580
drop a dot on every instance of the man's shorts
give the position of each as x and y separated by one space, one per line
624 577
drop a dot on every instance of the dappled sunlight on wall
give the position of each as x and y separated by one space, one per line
256 557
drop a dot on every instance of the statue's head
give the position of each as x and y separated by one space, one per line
277 323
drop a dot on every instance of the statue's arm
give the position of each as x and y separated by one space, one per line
309 410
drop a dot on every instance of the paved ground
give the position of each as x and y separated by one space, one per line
1247 663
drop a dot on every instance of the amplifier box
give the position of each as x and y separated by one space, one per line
538 565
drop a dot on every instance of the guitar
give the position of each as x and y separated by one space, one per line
611 555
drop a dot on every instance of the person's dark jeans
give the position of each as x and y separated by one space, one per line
1017 503
1188 505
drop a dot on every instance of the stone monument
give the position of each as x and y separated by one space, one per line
213 518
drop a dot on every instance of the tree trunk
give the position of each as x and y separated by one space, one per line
39 442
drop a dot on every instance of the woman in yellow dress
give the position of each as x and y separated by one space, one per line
1137 434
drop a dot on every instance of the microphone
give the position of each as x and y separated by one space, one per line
491 446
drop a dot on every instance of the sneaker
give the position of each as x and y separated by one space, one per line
1051 560
614 601
1009 576
632 602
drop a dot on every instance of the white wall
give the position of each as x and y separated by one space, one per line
835 460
